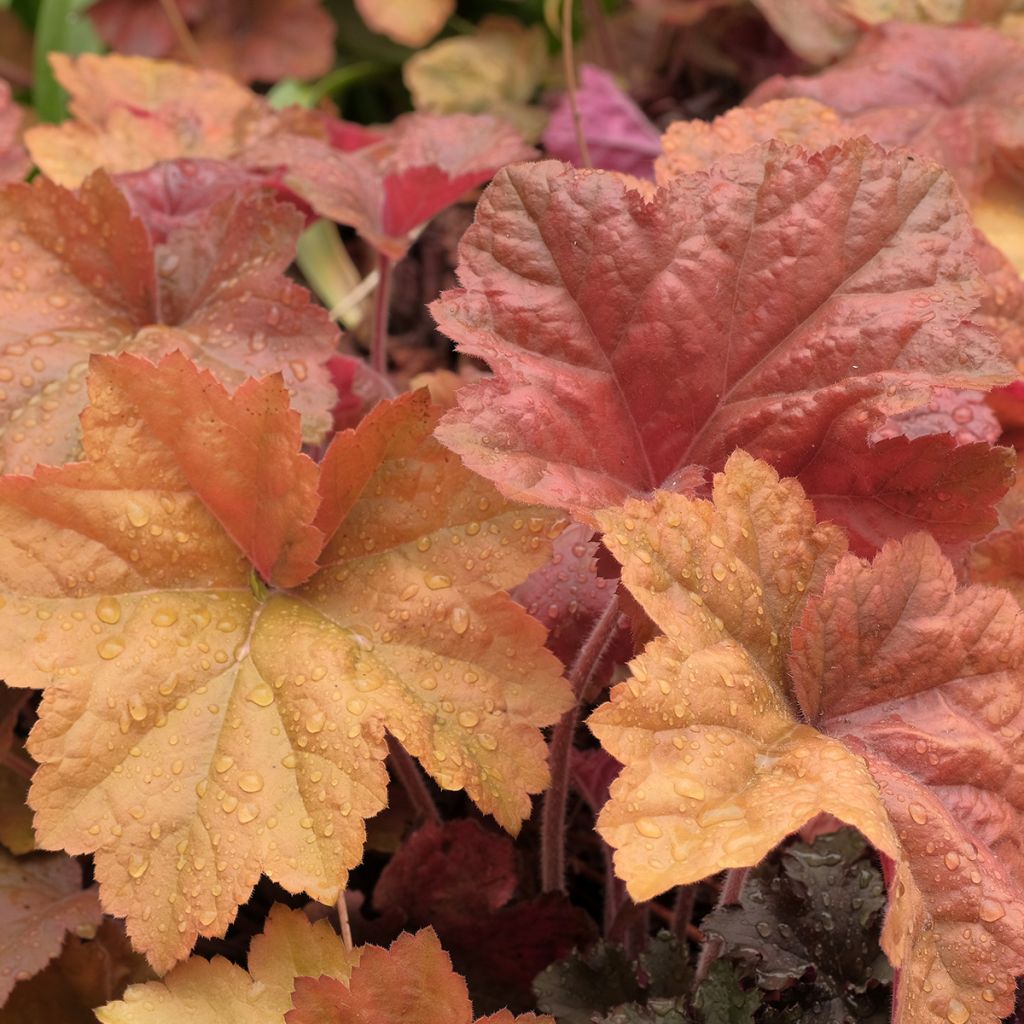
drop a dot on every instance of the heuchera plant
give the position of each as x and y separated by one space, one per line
713 543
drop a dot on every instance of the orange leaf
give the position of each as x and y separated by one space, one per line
218 992
128 113
695 145
41 898
215 288
196 729
908 694
410 983
412 23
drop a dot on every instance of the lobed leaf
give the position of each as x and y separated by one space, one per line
883 696
388 189
198 729
219 992
947 93
252 40
213 288
410 983
41 898
617 362
129 113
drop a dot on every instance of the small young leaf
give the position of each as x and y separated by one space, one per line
720 1000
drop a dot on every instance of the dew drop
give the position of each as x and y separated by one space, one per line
223 763
110 648
957 1013
262 696
991 910
137 515
919 814
250 782
138 865
459 619
108 610
468 719
207 917
315 722
165 617
647 828
951 860
439 582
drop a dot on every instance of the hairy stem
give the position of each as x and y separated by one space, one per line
381 308
181 32
343 921
552 832
408 774
682 911
732 889
569 66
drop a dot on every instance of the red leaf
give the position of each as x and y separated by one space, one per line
568 594
386 190
215 288
14 162
619 135
949 93
739 308
897 485
448 875
254 40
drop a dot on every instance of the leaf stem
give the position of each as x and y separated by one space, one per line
381 308
552 830
180 29
596 15
569 66
732 889
411 779
343 921
682 910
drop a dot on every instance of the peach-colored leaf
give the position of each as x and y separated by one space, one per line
129 113
214 288
252 40
14 162
789 683
386 190
412 23
948 93
694 145
617 362
410 983
218 992
198 729
41 898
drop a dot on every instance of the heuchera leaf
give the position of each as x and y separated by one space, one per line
386 190
41 898
198 728
219 992
410 983
460 879
252 40
89 972
818 909
619 135
412 23
739 307
950 94
14 162
792 681
999 558
214 288
129 113
496 70
689 146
